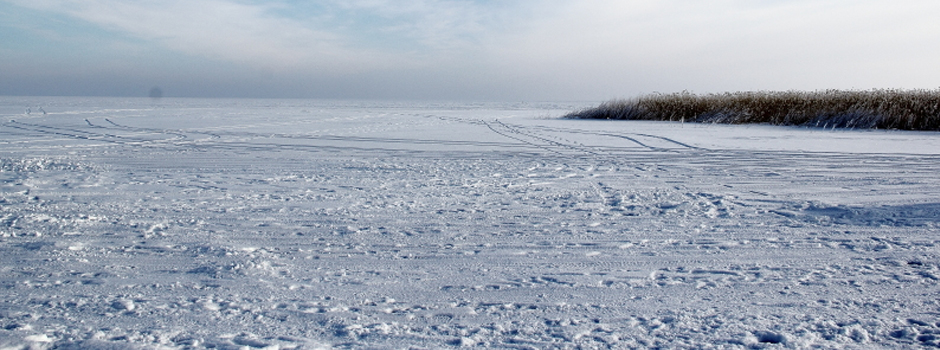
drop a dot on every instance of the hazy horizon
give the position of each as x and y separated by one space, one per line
461 50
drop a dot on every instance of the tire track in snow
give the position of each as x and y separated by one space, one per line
631 137
517 133
165 131
228 140
508 132
74 133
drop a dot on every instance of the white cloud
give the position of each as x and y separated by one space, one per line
435 24
416 33
216 29
627 47
547 49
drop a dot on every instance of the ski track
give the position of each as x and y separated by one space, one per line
255 226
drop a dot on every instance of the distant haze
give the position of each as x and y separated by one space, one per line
463 49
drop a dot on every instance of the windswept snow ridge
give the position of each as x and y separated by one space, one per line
269 224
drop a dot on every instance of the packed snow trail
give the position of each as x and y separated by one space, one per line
298 224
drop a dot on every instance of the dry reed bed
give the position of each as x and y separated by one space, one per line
872 109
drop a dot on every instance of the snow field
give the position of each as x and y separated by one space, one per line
238 224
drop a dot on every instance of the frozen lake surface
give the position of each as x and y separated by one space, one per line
293 224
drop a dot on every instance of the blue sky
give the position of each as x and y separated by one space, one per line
463 49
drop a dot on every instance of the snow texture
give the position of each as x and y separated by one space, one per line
292 224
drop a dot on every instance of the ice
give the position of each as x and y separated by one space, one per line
300 224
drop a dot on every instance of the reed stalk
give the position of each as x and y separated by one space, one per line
870 109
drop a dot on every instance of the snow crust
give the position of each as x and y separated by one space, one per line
294 224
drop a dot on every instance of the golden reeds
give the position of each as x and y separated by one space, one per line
878 109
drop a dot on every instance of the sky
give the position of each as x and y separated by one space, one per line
509 50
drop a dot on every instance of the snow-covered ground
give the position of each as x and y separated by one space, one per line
291 224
